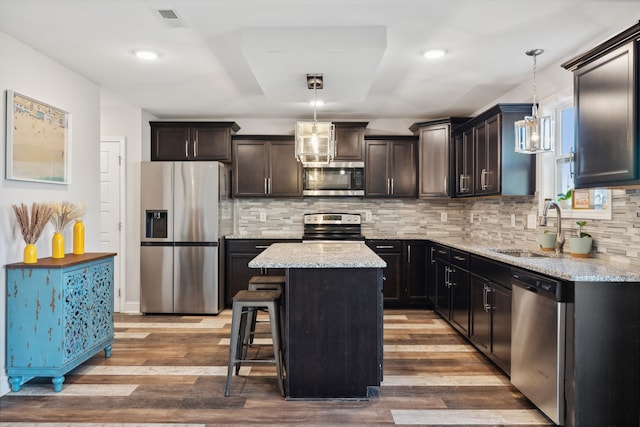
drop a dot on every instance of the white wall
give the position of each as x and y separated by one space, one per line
26 71
122 120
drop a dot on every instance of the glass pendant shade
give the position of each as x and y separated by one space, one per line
533 134
315 142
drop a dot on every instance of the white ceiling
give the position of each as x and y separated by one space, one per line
228 59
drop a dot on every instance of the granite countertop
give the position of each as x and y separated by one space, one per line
561 266
317 255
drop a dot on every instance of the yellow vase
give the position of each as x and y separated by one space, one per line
78 237
30 254
57 245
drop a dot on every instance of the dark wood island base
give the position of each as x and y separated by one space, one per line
333 299
333 333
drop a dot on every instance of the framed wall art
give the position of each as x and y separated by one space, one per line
38 141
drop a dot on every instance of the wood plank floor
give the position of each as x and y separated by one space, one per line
172 370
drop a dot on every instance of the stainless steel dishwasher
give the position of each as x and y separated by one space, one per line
538 319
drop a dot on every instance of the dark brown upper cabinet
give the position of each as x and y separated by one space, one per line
435 156
485 159
265 166
179 141
350 141
606 82
390 166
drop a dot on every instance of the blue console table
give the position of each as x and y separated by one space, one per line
59 314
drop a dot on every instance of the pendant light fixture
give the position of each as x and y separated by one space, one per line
315 141
533 133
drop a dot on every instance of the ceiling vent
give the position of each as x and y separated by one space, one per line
171 18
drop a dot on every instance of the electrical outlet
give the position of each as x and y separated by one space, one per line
532 221
443 216
513 220
367 216
263 216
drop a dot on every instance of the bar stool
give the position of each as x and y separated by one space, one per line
262 283
244 302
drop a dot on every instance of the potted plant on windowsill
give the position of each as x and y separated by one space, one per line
564 199
547 240
580 246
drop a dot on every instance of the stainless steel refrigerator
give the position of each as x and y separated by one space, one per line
186 212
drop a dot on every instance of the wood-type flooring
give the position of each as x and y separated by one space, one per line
172 370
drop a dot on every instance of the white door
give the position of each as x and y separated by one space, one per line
111 208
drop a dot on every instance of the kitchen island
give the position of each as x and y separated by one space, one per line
333 318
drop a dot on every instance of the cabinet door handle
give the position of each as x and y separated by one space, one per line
408 254
262 246
484 180
391 185
388 186
432 257
445 185
452 282
486 290
440 251
384 246
195 148
186 148
269 185
447 276
266 187
459 258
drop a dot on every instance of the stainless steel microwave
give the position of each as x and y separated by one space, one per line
334 179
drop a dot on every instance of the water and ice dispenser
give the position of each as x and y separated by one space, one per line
156 224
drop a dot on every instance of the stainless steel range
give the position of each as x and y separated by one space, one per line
332 227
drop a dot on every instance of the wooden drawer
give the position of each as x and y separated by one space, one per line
495 271
441 252
385 246
460 259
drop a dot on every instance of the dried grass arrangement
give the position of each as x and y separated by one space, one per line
31 227
64 213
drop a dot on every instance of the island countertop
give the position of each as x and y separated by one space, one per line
318 255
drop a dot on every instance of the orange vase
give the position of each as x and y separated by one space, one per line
78 237
57 245
30 254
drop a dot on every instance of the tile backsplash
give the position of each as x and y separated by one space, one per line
501 220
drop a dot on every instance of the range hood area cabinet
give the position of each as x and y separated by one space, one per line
265 166
180 141
435 156
484 156
390 166
606 82
350 141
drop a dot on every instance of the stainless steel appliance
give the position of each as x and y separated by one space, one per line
538 320
334 179
332 227
185 213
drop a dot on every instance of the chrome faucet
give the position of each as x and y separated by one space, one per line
543 222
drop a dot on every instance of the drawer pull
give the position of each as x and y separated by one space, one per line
460 258
262 246
384 246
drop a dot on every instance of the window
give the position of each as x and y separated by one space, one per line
555 170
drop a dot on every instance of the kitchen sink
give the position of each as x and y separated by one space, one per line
523 253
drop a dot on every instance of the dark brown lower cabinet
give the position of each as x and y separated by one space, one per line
238 254
405 281
490 309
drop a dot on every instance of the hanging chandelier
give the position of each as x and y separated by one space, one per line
315 141
533 133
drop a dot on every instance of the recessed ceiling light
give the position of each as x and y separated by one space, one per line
147 55
434 53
